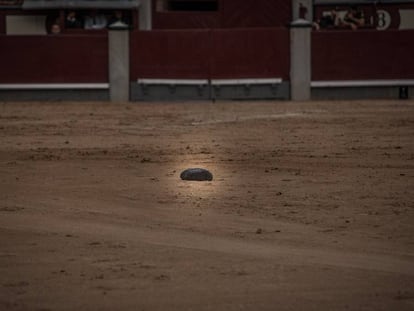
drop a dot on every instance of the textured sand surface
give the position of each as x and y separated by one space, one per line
311 206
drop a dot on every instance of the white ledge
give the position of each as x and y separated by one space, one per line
206 81
54 86
245 81
173 81
361 83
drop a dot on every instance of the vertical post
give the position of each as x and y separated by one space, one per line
119 63
300 59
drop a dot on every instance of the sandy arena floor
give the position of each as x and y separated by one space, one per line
311 206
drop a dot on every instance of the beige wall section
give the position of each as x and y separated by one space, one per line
26 25
406 19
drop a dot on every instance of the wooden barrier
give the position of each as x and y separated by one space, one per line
210 54
250 53
362 55
54 59
215 62
170 54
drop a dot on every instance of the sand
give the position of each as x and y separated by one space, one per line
311 206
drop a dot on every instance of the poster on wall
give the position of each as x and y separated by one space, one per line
381 16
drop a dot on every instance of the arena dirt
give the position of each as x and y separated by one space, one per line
311 206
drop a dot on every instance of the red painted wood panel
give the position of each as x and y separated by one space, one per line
204 54
362 55
54 59
250 53
170 54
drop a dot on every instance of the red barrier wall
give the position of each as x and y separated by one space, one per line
54 59
170 54
362 55
250 53
214 54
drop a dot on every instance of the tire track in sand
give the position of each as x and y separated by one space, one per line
127 233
